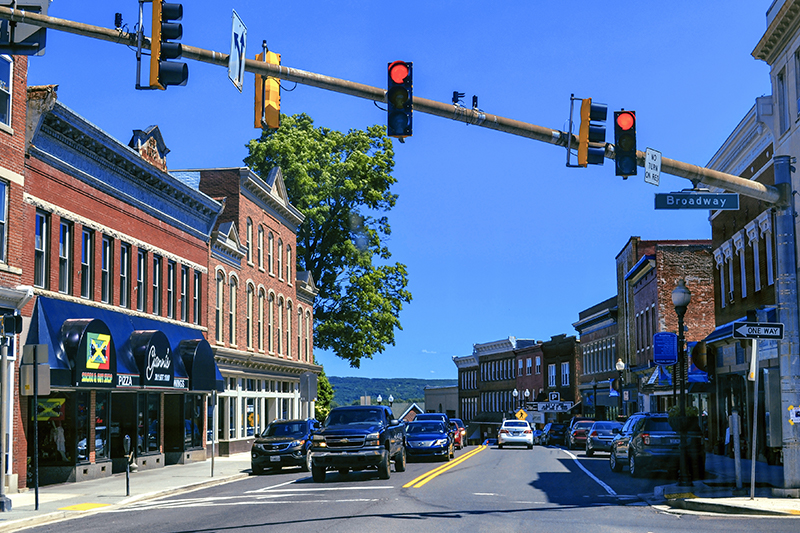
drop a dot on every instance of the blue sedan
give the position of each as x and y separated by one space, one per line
429 438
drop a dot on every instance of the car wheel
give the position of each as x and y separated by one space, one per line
634 467
257 470
307 463
589 452
614 463
383 468
452 451
318 473
400 461
499 445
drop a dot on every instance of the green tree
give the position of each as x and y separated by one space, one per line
342 183
325 394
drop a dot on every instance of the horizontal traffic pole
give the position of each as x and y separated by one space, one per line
694 173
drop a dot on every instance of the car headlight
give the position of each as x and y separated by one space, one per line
440 442
319 442
373 439
296 443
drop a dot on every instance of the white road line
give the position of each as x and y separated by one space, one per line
595 478
273 486
312 489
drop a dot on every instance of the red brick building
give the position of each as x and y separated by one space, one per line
598 330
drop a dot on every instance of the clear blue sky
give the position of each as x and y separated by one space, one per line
500 238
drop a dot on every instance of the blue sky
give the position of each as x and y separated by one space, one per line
500 238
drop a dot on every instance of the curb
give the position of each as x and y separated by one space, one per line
58 516
704 506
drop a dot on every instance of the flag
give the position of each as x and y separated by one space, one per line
611 390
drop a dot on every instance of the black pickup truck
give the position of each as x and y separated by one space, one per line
358 437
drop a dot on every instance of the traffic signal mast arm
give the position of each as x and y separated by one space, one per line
693 173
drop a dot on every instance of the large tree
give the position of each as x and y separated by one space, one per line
342 183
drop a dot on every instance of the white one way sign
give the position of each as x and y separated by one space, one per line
757 330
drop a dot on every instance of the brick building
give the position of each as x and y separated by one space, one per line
598 330
529 373
562 367
260 310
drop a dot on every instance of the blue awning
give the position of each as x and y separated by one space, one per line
46 328
724 333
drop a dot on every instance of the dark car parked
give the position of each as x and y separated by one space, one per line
648 442
576 437
600 436
553 433
283 443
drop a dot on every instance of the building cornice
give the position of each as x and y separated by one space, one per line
261 364
782 28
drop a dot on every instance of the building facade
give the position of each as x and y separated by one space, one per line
597 327
563 367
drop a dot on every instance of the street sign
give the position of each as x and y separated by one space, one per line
236 58
554 396
652 166
521 414
553 407
757 330
722 201
665 348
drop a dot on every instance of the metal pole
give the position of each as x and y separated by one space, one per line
36 426
694 173
754 444
786 302
213 427
5 502
684 478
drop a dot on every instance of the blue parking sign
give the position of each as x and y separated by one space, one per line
665 348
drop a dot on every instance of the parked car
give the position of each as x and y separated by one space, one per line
458 438
515 432
575 419
554 433
462 429
576 437
441 417
648 442
429 438
600 436
283 443
537 436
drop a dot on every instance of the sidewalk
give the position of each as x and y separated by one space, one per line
67 500
717 492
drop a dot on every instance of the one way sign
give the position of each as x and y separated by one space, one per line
757 330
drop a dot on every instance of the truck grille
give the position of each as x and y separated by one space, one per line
345 442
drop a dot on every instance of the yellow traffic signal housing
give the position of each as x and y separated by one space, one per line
591 133
268 95
164 31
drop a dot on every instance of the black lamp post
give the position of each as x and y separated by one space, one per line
681 297
515 393
594 398
620 366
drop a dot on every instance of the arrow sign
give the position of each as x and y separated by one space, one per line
758 330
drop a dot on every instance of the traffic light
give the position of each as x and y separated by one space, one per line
165 30
592 132
268 95
625 143
399 97
11 325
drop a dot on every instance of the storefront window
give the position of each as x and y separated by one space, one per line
101 431
56 426
232 422
193 420
148 425
82 424
251 416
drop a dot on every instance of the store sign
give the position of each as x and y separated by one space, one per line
152 352
88 344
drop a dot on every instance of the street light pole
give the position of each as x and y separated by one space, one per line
594 398
620 366
527 395
681 297
515 393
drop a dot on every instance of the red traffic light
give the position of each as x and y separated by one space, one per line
626 120
398 71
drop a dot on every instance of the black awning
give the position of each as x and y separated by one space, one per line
198 358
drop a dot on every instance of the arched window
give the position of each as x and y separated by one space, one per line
250 298
280 258
299 332
261 247
289 276
220 302
307 338
249 241
280 326
270 252
232 313
271 324
289 311
261 320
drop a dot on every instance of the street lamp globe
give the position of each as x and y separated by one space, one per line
681 296
391 400
380 399
620 366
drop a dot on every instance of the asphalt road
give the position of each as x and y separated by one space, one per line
482 489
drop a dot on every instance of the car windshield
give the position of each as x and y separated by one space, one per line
285 429
515 424
359 416
427 427
583 425
607 425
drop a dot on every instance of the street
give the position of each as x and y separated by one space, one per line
482 489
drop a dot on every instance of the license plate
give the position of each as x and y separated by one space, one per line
275 459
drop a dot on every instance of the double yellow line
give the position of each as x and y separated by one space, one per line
427 476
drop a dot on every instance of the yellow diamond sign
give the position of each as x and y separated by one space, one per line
521 414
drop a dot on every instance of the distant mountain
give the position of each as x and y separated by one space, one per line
349 390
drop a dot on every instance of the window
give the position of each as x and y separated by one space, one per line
40 251
280 326
141 275
289 312
3 219
172 274
519 367
783 102
249 244
528 366
565 374
270 252
307 335
249 316
232 312
797 79
106 262
551 375
261 320
260 247
280 258
125 275
289 265
65 258
5 90
219 304
271 323
538 365
156 285
87 263
184 294
196 298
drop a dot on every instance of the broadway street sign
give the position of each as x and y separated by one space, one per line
697 200
757 330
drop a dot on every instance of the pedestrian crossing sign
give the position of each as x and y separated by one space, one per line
521 414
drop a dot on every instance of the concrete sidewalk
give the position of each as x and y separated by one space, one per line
717 493
69 500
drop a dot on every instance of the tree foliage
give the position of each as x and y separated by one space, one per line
342 183
325 395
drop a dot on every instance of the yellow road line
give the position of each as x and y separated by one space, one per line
429 475
84 507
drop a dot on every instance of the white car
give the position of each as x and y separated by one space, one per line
515 432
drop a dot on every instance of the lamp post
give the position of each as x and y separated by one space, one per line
515 393
527 395
379 399
620 366
391 400
681 297
594 398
